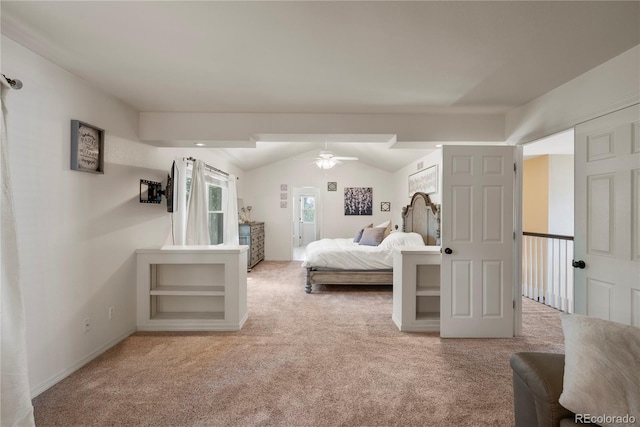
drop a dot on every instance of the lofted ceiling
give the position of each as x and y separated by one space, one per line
336 57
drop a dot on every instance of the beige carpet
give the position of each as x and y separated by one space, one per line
330 358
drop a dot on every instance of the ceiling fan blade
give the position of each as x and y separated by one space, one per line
345 158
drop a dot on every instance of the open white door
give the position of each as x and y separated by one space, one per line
607 217
477 271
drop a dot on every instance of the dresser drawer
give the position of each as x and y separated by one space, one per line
257 238
252 234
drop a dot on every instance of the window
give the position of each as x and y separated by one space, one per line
308 208
216 216
217 196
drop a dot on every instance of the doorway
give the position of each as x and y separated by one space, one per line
306 219
548 220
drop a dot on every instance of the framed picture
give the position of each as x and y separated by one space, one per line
358 201
425 181
283 187
87 147
332 186
283 196
283 204
385 206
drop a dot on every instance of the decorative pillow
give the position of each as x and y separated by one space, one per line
602 364
387 226
358 236
400 238
372 236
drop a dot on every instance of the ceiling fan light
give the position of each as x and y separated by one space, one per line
325 163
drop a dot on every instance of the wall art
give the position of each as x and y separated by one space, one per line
358 201
425 181
87 147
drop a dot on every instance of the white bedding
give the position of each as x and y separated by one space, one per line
347 255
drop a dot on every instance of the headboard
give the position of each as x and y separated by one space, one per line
423 217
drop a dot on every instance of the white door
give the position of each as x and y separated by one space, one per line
477 272
607 217
307 219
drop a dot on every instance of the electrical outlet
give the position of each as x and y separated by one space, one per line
111 312
87 325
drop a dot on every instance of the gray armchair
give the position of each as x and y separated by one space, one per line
537 385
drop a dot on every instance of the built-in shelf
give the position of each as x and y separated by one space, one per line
427 292
433 315
192 288
210 291
416 288
191 315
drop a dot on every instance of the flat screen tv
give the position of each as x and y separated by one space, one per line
170 189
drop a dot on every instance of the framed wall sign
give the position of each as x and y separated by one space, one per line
87 147
425 181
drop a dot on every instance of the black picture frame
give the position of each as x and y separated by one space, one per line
87 147
332 186
385 206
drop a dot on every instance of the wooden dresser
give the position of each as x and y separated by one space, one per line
252 235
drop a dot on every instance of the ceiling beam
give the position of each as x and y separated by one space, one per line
243 130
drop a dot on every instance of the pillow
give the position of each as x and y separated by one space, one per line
387 226
400 238
358 236
372 236
602 361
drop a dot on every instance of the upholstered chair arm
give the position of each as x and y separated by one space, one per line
537 385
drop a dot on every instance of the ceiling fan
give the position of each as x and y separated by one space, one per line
326 159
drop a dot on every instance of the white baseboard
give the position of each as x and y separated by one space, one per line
64 374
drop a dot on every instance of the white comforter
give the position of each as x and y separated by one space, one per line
347 255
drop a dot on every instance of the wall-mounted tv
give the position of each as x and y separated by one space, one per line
170 189
152 192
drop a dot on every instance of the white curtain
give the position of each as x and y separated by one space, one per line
179 226
198 213
16 409
231 233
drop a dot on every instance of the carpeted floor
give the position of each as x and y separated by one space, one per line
330 358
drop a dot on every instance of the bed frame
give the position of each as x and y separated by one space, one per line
420 216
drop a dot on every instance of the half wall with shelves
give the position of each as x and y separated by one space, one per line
192 288
416 288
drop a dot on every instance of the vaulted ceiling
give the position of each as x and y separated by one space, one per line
328 57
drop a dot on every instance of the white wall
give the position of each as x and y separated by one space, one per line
401 183
605 88
77 232
561 194
262 191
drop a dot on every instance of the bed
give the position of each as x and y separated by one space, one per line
344 262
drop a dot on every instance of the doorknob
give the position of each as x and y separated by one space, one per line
578 264
448 251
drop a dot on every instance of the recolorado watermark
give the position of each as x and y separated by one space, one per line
605 419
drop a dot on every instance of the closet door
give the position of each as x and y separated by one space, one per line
477 272
607 217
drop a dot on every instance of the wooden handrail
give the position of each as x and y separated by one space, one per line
549 236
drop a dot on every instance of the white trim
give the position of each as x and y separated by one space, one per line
44 386
517 275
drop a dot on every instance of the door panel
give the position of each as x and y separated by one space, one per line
599 214
462 289
477 225
607 218
492 291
